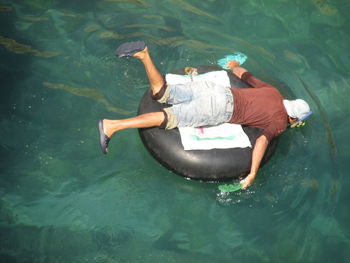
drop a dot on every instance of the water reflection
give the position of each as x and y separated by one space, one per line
61 200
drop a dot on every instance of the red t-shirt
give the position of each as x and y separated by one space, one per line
261 107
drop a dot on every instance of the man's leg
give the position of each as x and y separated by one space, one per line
109 127
141 121
156 80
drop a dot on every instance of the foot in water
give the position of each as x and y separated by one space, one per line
105 137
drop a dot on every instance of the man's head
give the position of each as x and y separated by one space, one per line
297 110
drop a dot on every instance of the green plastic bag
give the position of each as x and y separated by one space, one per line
230 187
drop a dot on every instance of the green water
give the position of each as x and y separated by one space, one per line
61 200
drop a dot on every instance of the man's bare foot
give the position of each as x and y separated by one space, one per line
106 128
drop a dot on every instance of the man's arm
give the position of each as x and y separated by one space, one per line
249 78
257 155
236 69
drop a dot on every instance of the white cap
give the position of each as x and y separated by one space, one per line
296 108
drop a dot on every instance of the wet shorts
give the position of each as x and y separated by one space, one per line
197 104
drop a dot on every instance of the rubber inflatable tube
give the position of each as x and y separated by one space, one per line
206 165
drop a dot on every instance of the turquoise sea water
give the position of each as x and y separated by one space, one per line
61 200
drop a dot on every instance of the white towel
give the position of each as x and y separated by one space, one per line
213 76
222 136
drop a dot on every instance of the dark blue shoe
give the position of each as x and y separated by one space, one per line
130 48
104 139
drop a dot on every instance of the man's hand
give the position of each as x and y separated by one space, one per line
232 64
247 181
257 155
236 69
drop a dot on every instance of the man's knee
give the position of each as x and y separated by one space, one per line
170 120
162 95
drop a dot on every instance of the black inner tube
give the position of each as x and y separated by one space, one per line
206 165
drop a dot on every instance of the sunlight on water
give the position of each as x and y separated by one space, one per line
61 200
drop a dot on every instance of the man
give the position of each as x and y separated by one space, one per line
206 103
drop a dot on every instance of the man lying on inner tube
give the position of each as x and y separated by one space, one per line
205 103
